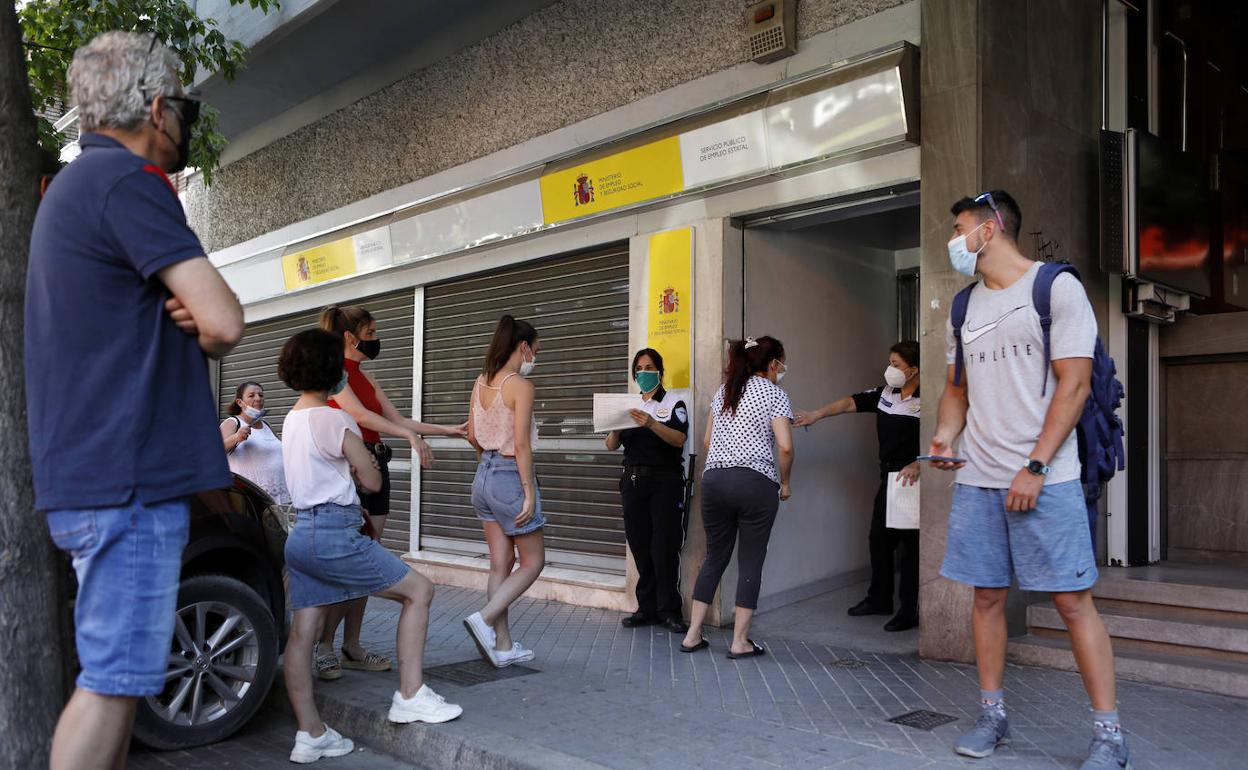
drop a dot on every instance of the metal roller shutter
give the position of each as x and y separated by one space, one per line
255 358
579 305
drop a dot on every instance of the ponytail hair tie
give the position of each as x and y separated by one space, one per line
750 342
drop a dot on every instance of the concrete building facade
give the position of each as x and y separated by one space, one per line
414 161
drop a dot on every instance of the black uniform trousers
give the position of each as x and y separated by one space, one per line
883 543
655 529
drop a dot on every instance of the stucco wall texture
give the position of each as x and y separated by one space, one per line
568 62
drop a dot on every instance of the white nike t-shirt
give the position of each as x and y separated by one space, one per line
1004 369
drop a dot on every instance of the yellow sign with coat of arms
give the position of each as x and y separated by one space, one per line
319 264
631 176
669 303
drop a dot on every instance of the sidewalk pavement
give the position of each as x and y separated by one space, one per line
264 744
599 695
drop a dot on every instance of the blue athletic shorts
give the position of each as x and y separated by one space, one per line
128 561
1048 548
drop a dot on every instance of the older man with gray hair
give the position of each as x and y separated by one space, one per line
122 309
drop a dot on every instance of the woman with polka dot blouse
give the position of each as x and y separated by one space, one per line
749 456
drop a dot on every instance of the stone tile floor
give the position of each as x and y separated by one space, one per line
630 698
605 696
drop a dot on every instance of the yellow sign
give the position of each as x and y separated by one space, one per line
632 176
669 303
319 264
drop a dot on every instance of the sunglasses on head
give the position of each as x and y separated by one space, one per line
188 108
987 198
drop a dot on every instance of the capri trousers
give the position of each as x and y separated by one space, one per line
737 504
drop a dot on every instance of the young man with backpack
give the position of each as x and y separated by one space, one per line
1019 378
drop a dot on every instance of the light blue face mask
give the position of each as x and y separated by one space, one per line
341 386
647 381
961 258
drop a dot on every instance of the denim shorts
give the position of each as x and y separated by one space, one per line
128 560
497 495
1048 548
329 561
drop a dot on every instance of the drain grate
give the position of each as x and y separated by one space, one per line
923 720
473 672
849 663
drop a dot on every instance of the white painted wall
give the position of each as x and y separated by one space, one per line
834 308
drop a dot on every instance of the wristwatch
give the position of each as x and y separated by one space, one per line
1037 468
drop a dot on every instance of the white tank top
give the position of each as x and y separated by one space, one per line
317 471
259 460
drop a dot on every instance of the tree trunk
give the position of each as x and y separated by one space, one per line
32 669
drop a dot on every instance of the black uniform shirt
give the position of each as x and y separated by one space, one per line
896 424
643 447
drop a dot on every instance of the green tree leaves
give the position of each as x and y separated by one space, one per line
53 29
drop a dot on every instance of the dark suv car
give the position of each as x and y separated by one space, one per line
231 623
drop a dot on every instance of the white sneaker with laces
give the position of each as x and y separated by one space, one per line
425 706
482 635
329 744
517 654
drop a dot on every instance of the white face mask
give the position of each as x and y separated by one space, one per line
253 413
895 377
780 374
961 258
526 367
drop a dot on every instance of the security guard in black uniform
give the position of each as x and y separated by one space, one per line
896 408
653 491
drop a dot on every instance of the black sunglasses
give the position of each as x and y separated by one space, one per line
188 108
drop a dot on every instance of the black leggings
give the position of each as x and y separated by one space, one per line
736 502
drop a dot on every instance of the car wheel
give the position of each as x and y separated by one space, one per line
221 664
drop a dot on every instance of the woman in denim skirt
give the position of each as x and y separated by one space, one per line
366 402
504 492
328 560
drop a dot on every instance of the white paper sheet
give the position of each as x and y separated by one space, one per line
611 411
903 505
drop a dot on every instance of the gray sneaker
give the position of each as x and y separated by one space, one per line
992 729
1107 752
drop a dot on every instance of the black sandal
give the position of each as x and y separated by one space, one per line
701 645
758 650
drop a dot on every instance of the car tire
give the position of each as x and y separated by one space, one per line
217 687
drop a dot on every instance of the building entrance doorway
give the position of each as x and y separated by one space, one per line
837 285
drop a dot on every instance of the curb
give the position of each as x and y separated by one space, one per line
449 746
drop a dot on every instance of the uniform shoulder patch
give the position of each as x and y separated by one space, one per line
682 414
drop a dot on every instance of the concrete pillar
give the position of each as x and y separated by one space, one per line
1010 100
711 295
949 78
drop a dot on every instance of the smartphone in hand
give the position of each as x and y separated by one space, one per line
939 459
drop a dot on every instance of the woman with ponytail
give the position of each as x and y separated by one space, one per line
504 492
743 482
360 396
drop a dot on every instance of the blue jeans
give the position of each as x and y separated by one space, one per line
128 560
498 496
329 561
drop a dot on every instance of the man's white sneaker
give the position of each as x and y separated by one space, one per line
516 654
329 744
425 706
479 630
